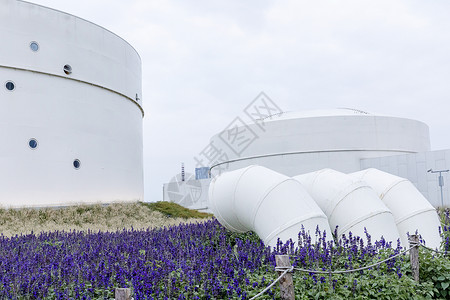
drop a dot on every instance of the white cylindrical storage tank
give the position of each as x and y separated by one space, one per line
71 113
295 143
266 202
350 204
409 207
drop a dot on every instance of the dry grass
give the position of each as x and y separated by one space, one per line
85 217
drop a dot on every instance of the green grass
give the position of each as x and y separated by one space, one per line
173 210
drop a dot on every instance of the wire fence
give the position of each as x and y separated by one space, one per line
436 251
414 244
125 294
351 270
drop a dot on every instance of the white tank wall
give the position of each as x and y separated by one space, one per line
289 164
96 55
91 115
296 143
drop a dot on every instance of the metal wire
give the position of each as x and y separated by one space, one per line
441 252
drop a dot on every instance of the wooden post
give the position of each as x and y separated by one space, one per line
123 294
286 283
414 256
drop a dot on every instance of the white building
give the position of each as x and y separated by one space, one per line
345 140
295 143
71 116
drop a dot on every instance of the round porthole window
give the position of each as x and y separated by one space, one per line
67 69
33 143
10 86
34 46
76 164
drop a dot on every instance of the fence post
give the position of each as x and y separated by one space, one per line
414 256
286 283
123 294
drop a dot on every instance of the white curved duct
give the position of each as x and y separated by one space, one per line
350 204
410 208
266 202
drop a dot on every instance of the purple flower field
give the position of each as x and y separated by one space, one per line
181 262
205 261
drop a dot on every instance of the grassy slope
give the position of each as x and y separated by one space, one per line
96 217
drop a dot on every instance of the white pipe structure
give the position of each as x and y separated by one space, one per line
266 202
410 208
350 204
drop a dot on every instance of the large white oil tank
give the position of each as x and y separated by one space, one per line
295 143
409 207
266 202
350 205
71 116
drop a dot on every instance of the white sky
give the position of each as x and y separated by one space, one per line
204 61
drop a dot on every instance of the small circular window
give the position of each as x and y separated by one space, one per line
76 164
10 86
34 46
68 69
33 143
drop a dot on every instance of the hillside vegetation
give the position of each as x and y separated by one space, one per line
96 217
201 260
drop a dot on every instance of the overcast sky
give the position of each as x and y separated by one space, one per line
204 61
